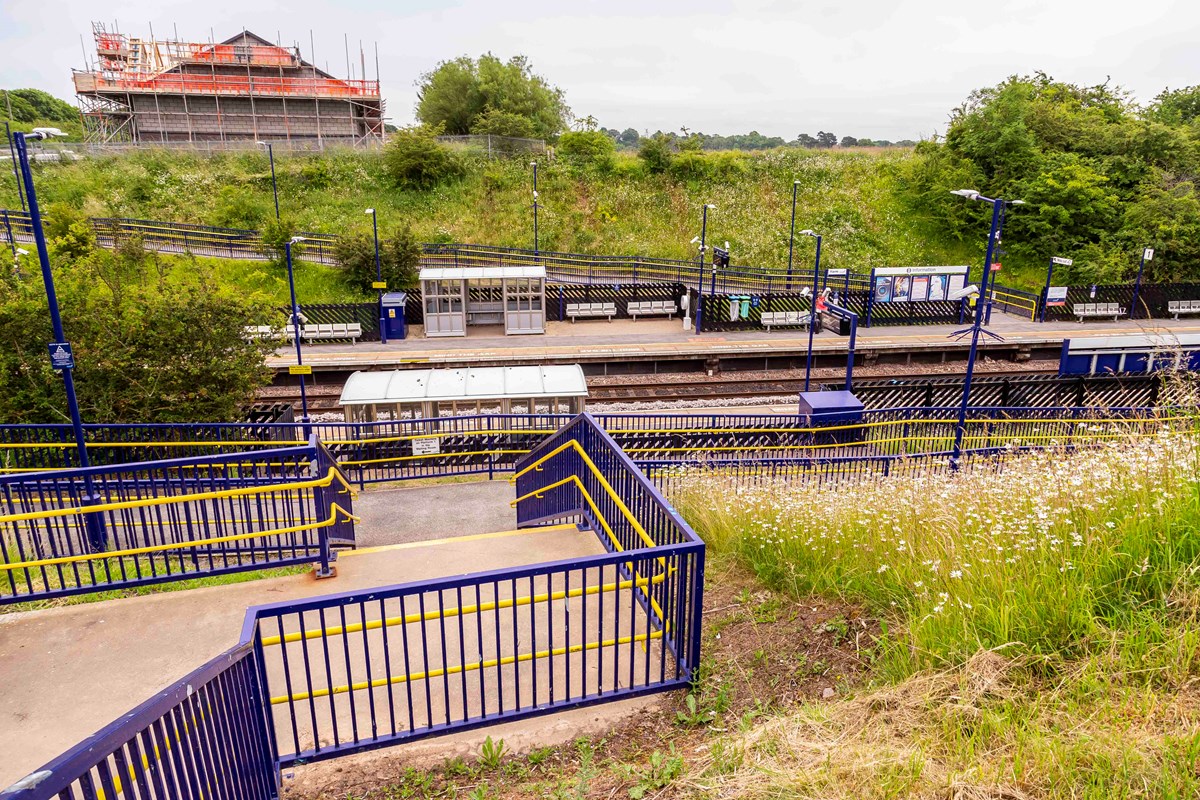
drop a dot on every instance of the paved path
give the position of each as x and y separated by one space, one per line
648 338
67 672
415 513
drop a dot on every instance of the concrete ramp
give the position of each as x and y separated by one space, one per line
69 671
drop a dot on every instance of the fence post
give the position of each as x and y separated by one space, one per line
323 509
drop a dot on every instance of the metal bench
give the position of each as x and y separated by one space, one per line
1177 307
326 332
1085 310
591 311
783 319
651 308
252 332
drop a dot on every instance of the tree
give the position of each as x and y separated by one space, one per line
628 138
850 141
825 139
415 159
153 341
593 148
457 93
34 105
804 140
656 153
502 123
399 258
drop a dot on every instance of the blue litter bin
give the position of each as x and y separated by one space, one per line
393 315
835 409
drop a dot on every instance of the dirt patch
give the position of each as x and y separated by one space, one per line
763 654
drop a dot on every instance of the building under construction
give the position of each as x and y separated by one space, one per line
244 88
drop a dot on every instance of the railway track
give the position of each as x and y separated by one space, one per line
683 387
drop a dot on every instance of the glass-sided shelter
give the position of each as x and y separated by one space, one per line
455 297
429 393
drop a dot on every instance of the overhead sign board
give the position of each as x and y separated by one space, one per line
886 271
720 257
1066 262
61 356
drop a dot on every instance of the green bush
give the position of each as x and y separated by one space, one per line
415 159
589 148
656 153
495 122
399 257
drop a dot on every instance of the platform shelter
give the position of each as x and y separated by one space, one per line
455 297
429 393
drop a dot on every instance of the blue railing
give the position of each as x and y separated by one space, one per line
76 531
328 676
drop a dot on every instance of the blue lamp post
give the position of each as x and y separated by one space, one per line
296 335
812 320
998 207
700 272
61 356
792 235
378 275
274 184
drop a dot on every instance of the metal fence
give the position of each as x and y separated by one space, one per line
338 674
76 531
496 146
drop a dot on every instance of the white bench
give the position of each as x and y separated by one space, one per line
252 332
1085 310
591 311
651 308
785 319
1178 307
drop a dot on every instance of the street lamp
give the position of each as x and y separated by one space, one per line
378 274
274 185
296 334
792 234
700 272
535 208
812 320
16 173
998 207
17 253
61 357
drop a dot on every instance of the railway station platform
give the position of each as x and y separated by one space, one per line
168 634
623 346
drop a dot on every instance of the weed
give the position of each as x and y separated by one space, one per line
491 754
657 774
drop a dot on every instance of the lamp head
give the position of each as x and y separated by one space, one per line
695 240
1016 202
710 206
808 232
44 133
298 239
970 194
369 211
21 251
795 183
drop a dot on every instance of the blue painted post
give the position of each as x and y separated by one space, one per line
274 183
535 209
994 234
378 274
871 295
1046 291
8 231
812 319
97 537
304 420
1137 284
700 271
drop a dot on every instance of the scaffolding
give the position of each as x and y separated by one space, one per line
151 91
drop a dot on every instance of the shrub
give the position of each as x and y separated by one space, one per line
590 148
656 154
502 123
399 257
415 159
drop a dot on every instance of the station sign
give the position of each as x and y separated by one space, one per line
836 273
1148 254
426 447
995 266
300 369
720 257
378 284
1056 296
61 356
1064 262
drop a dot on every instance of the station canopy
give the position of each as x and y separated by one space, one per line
479 273
468 385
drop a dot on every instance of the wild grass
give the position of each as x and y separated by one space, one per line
853 198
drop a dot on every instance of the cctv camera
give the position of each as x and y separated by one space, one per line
966 291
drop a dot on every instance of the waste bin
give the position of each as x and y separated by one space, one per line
834 409
393 315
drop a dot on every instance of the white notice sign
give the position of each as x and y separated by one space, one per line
426 447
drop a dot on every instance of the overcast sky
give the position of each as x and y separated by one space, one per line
888 70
